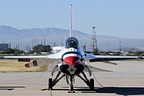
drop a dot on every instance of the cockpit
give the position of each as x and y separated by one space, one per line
72 43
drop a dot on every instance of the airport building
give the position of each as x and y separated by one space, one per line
56 49
3 46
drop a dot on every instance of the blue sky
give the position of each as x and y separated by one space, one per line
120 18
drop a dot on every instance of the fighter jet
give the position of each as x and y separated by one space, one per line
72 63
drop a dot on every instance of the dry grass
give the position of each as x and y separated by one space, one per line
12 65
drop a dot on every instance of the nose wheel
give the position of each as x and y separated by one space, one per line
71 90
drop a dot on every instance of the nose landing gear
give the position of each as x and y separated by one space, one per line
71 84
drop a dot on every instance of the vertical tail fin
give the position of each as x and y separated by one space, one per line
71 20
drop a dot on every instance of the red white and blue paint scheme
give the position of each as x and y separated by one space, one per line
72 62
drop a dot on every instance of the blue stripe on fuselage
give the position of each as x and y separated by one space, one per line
71 53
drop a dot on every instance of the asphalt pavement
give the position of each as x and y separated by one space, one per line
124 79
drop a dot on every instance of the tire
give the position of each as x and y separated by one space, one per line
91 84
50 85
71 87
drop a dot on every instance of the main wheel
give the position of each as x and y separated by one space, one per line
50 85
91 84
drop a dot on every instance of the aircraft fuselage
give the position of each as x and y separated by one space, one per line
72 62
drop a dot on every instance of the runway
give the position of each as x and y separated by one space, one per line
124 79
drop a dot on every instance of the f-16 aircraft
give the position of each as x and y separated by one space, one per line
73 63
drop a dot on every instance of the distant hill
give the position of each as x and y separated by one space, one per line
25 38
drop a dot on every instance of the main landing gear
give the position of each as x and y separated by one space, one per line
70 81
90 82
51 82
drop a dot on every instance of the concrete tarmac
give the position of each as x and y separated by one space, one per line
124 79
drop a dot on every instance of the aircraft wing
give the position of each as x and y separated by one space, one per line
23 57
119 57
54 56
36 60
32 61
88 56
51 56
94 58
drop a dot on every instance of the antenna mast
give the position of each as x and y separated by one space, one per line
94 40
71 20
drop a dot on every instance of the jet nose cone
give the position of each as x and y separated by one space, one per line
72 60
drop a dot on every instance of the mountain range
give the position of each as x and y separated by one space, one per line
26 38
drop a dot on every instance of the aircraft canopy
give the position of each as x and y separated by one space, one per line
72 43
